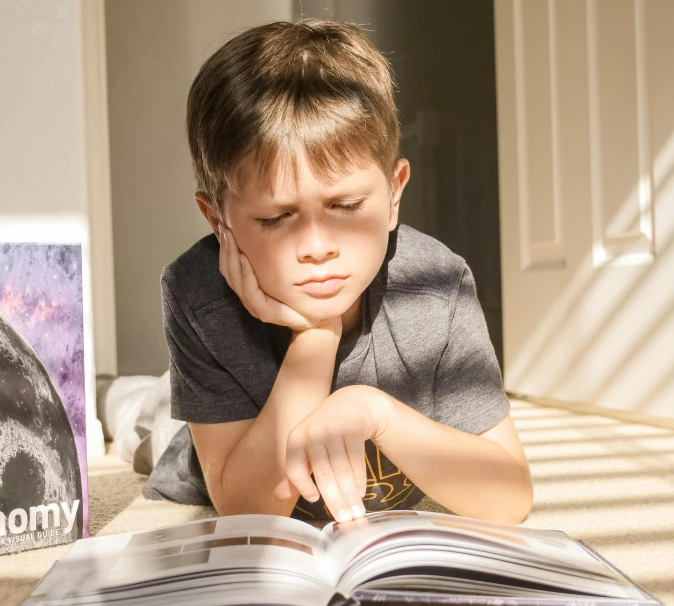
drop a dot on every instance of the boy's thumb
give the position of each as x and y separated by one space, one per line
285 490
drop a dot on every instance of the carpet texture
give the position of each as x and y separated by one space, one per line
606 482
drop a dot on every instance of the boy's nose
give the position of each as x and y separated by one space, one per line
316 242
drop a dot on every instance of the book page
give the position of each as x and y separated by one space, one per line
248 550
353 542
447 565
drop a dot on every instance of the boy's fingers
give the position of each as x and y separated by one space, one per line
297 471
284 314
284 490
222 262
233 262
355 450
344 475
251 294
327 483
260 304
246 285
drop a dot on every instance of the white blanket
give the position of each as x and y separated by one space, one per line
135 413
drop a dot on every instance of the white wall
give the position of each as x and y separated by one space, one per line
154 50
43 144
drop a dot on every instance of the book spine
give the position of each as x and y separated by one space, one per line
340 600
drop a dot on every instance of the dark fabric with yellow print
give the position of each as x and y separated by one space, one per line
387 488
423 340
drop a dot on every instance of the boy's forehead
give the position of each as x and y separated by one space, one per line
280 185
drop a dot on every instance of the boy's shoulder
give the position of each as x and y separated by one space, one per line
417 261
194 276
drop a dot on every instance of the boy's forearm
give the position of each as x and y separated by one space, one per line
257 463
468 474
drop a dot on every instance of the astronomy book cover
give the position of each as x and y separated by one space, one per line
43 464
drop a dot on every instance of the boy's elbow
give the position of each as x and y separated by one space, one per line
516 507
520 507
246 502
514 515
284 508
519 514
528 496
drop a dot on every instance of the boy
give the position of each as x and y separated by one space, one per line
311 335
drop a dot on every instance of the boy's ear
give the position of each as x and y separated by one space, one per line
401 175
203 202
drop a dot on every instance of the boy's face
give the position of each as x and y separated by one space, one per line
339 229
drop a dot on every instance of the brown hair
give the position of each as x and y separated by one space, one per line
317 84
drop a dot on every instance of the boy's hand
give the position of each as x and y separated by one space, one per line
238 272
330 441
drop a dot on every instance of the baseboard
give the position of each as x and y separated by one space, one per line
626 416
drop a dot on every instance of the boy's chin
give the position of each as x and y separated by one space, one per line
322 309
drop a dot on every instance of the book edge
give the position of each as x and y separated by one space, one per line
615 569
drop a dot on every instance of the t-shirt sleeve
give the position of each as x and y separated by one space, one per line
202 390
469 393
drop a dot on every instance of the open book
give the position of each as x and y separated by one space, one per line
401 556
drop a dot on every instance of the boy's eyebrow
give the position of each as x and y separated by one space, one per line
349 194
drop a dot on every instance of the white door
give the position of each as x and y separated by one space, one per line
585 94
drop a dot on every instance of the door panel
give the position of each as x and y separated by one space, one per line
585 96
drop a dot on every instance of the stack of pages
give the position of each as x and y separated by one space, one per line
401 556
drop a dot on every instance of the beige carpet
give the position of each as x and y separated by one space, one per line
606 482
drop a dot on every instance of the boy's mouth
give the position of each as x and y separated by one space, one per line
321 278
323 285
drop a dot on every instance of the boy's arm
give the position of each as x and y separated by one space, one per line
482 476
243 464
468 457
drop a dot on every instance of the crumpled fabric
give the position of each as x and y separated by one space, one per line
135 413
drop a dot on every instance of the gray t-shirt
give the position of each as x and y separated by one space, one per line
423 340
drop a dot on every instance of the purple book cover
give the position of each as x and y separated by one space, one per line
43 464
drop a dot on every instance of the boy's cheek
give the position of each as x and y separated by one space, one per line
272 288
273 281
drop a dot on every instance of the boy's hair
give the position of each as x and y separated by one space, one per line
316 84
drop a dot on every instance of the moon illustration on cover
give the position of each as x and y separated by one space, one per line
38 455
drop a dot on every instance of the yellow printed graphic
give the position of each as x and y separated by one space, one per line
304 511
385 491
375 479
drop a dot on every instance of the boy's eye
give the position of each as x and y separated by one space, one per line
271 222
275 221
349 207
